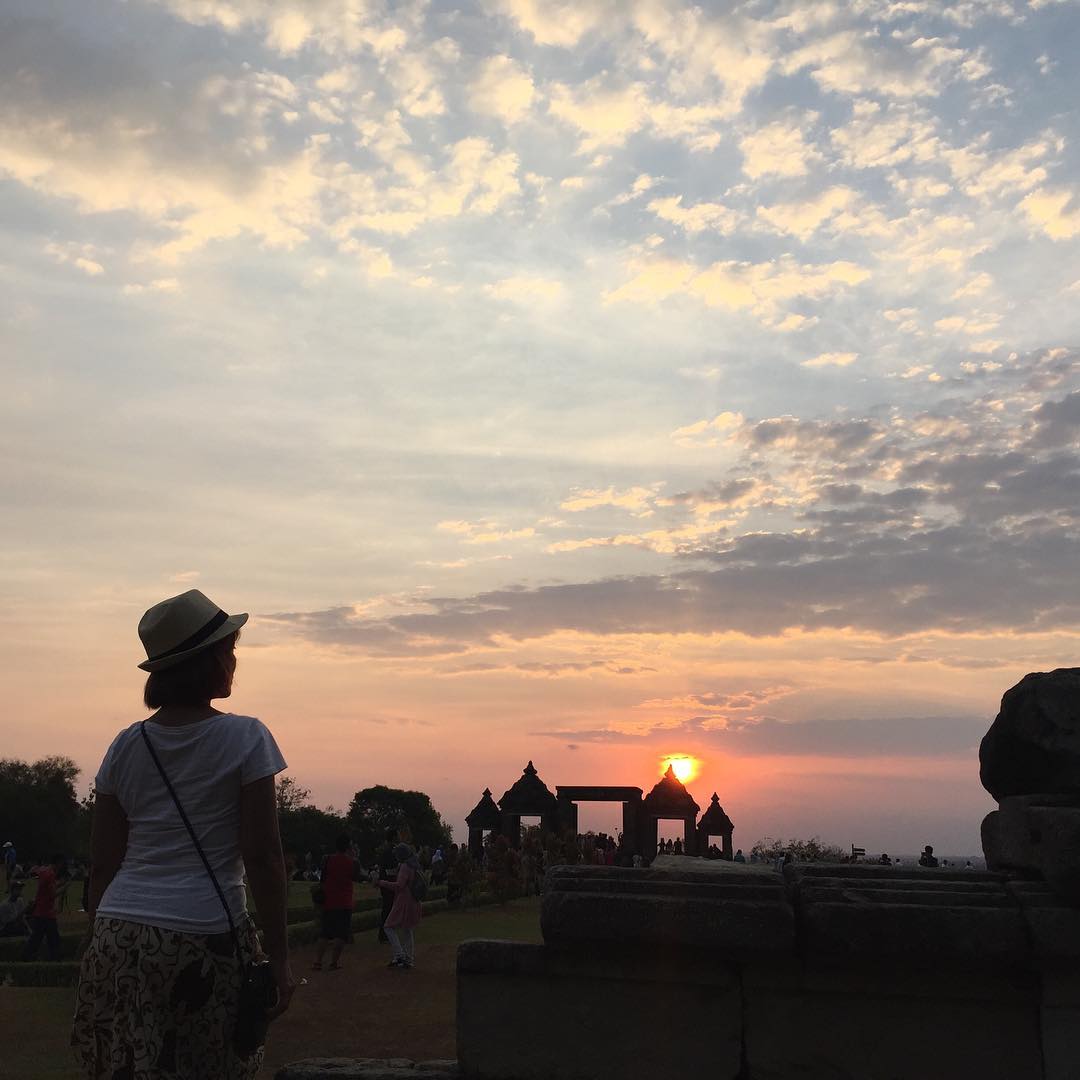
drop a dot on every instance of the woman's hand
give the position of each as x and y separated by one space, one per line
285 987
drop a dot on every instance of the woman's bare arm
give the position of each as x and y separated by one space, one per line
108 845
264 863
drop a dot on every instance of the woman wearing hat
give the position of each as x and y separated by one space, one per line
185 807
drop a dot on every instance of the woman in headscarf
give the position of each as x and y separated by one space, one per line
185 808
405 914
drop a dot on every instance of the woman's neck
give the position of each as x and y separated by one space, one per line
179 715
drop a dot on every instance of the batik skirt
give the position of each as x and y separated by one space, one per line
156 1004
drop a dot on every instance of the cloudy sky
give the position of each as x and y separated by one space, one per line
582 382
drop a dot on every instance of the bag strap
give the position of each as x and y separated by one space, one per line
194 840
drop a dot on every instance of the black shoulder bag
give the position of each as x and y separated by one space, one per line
258 987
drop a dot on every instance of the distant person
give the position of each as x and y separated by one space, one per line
387 870
438 867
405 912
739 856
927 857
160 981
43 926
885 860
11 862
967 865
13 913
338 873
638 860
677 847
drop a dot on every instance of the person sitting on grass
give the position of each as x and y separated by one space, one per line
405 913
338 872
13 913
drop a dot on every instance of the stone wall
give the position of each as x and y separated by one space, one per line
696 968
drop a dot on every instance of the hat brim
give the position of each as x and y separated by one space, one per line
229 626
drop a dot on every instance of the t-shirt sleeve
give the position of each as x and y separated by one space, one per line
105 780
263 758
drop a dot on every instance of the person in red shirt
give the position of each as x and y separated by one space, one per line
43 913
338 874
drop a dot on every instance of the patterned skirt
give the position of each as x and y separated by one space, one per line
156 1004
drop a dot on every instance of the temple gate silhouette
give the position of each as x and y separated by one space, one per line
668 800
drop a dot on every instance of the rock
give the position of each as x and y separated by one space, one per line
1033 744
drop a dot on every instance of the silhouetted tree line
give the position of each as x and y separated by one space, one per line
813 850
306 829
40 811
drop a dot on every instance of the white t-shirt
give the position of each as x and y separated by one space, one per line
162 881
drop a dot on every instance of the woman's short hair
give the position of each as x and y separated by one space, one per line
206 675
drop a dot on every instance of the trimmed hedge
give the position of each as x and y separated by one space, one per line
39 973
11 948
367 903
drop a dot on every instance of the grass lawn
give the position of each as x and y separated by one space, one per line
364 1010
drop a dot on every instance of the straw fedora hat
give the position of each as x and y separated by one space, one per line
178 628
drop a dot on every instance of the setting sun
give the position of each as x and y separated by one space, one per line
684 766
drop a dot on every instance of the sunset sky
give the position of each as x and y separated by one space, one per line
587 382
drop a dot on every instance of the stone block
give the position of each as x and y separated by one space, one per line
919 916
368 1069
740 912
1038 836
538 1012
1061 1043
854 1036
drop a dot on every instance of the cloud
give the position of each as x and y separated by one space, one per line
696 218
561 23
81 256
709 432
503 88
858 62
1054 211
778 149
526 290
484 532
925 735
761 287
635 499
157 285
831 359
803 219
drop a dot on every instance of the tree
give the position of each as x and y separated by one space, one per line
376 809
812 850
309 829
290 795
39 808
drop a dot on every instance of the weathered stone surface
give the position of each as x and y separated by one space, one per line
528 1012
1053 927
368 1069
711 906
847 1035
1036 836
1034 743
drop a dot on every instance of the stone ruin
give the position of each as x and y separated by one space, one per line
698 968
641 814
1030 762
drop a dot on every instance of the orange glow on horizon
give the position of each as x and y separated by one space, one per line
684 766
